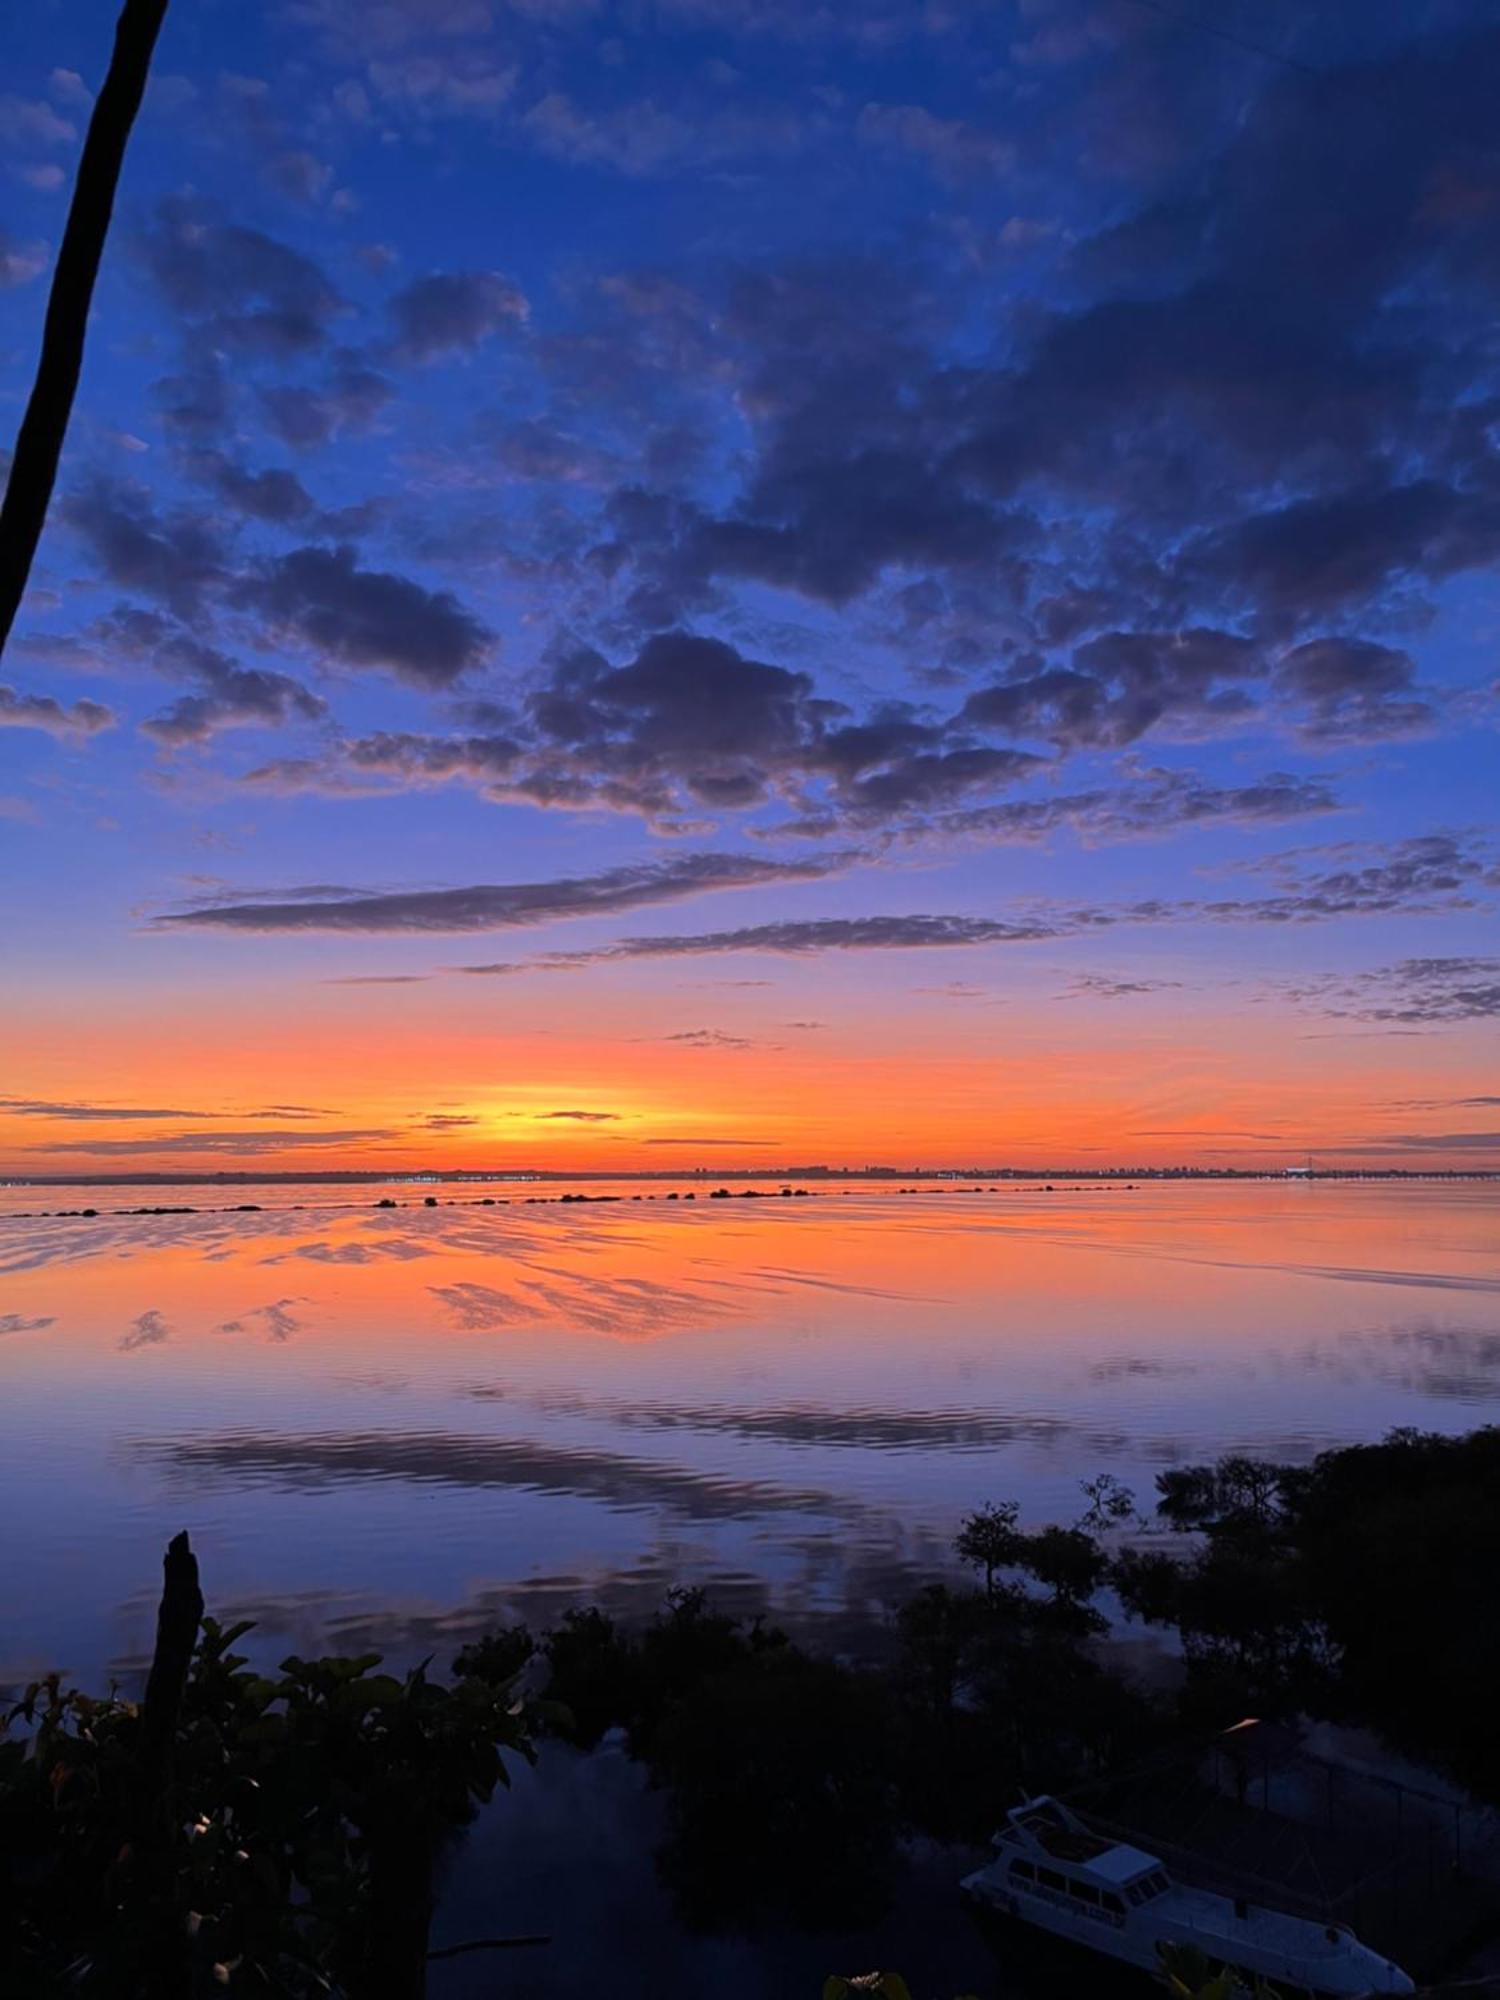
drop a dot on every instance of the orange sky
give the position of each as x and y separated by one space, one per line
464 1075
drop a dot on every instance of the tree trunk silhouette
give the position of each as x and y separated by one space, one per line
39 444
177 1620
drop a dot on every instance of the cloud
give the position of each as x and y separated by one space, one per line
1411 992
240 288
42 711
20 262
1122 684
1429 1142
710 1038
495 906
1428 873
172 558
466 84
322 598
33 122
1425 875
585 1117
19 1323
1317 555
247 1144
1354 691
300 175
1154 804
952 148
230 696
1099 986
448 1121
42 1107
454 312
348 402
794 938
707 1144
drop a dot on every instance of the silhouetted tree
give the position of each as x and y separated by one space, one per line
990 1540
39 443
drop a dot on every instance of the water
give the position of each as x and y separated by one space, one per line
394 1426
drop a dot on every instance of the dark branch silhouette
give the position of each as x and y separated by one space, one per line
39 444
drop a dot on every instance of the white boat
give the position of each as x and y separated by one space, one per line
1052 1871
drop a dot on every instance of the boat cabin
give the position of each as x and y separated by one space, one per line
1050 1854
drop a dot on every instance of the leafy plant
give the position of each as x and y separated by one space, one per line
285 1844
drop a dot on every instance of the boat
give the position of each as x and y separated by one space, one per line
1053 1871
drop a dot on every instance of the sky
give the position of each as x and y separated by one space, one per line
745 582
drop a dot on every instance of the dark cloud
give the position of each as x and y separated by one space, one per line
705 1144
1430 1142
1431 872
241 288
1122 684
501 906
1100 986
43 711
172 558
1154 804
688 712
1313 557
689 724
19 1323
41 1107
348 401
228 696
322 598
1450 1104
585 1117
448 1121
246 1144
710 1038
1413 992
914 933
1353 690
275 495
454 312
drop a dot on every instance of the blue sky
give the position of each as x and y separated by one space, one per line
927 509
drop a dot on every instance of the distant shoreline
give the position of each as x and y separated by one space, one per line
876 1176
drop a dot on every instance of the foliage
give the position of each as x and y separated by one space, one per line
302 1820
990 1540
1188 1975
1358 1587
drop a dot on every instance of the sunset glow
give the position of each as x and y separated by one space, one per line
742 591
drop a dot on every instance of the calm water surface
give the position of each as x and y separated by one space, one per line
395 1425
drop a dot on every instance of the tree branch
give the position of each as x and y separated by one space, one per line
39 444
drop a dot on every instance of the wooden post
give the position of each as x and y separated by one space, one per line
177 1620
33 470
155 1839
401 1900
